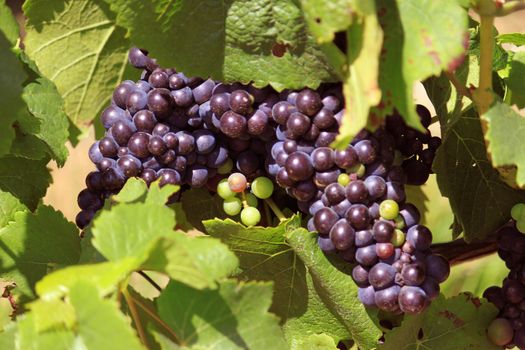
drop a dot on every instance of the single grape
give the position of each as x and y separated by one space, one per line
431 288
413 274
360 276
356 192
168 177
387 299
388 209
367 296
366 256
346 159
251 200
385 251
383 231
324 220
366 152
241 101
129 165
250 216
237 182
159 79
342 235
299 166
233 124
84 217
149 175
226 167
437 267
376 186
520 225
94 181
325 243
343 179
197 176
138 144
232 206
137 57
322 158
513 291
308 102
108 147
363 238
419 237
398 238
247 162
410 214
381 275
412 300
500 332
262 187
358 216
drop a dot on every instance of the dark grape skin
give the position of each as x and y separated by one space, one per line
513 291
121 132
241 101
325 244
129 165
324 119
136 101
186 143
297 125
160 129
360 276
111 115
385 252
283 179
138 58
356 192
431 288
138 144
383 231
304 190
122 92
233 124
183 97
346 158
381 275
387 299
322 158
334 193
410 214
324 220
168 176
412 300
366 256
376 186
94 181
157 146
416 171
84 217
494 295
197 176
437 267
89 200
366 152
158 79
342 235
247 162
419 237
144 120
358 216
160 102
308 102
257 123
367 296
299 166
220 103
363 238
413 274
281 111
108 147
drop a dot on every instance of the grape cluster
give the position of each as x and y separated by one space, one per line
508 329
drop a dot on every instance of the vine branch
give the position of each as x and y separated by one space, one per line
461 89
459 251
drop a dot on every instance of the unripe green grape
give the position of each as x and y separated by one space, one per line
520 225
389 209
252 200
226 167
400 222
358 169
262 187
343 179
518 212
500 332
250 216
223 190
237 182
398 238
232 206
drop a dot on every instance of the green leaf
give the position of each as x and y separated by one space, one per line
264 255
78 46
8 24
100 324
336 288
46 105
515 79
480 201
517 39
196 261
199 205
50 314
448 324
326 17
315 342
9 205
235 316
234 37
12 76
28 336
505 133
416 47
361 89
25 179
34 243
106 276
131 229
134 190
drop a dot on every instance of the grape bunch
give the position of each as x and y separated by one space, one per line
508 329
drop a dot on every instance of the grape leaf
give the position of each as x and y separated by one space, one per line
44 102
517 39
199 205
336 288
235 316
25 179
12 76
326 17
106 276
264 255
361 89
78 46
416 47
100 324
506 131
28 336
480 201
515 79
449 324
315 342
196 261
34 243
134 190
9 205
234 38
50 314
8 24
29 147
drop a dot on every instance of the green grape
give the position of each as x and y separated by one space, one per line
398 238
237 182
252 200
226 167
223 189
358 169
262 187
250 216
343 179
520 225
232 206
389 209
400 222
518 212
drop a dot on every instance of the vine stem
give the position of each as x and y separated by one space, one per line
135 316
150 280
462 89
459 251
157 319
510 7
275 209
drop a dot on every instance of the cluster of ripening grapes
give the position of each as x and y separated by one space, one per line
194 132
508 329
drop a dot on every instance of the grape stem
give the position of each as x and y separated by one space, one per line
275 209
244 201
460 88
510 7
459 251
150 281
135 317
